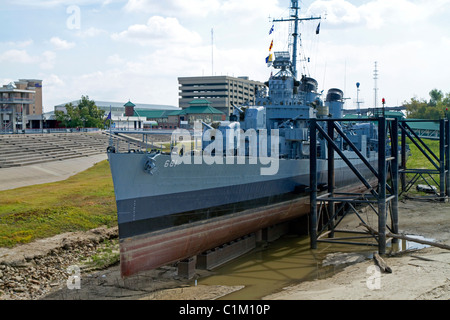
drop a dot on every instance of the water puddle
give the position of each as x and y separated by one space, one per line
284 262
290 261
404 245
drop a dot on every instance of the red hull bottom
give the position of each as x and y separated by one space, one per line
153 250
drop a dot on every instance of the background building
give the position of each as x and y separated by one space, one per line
220 91
162 119
18 100
198 110
128 116
118 108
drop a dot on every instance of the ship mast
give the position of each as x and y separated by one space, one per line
295 19
295 35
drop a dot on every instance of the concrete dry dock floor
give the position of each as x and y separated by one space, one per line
418 274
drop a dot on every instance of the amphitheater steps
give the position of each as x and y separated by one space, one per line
29 149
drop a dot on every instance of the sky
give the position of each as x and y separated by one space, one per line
120 50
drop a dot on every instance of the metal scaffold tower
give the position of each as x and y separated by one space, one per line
328 209
379 192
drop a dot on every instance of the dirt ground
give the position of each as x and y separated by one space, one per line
417 274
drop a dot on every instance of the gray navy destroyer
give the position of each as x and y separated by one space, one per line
244 175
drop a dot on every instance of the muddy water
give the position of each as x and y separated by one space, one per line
289 261
284 262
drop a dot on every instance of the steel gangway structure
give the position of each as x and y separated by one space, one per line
379 193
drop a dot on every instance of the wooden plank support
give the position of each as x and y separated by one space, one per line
406 238
381 263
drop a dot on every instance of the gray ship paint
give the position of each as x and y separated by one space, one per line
262 148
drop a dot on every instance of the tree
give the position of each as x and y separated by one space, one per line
84 115
415 109
436 96
435 109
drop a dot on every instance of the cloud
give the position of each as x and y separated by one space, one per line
399 71
246 10
48 60
45 61
380 12
53 80
115 59
375 14
60 44
158 31
251 9
91 32
122 85
338 12
192 7
445 41
55 3
19 44
17 56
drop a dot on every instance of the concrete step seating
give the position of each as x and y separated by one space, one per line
27 149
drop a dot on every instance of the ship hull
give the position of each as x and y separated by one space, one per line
152 250
180 211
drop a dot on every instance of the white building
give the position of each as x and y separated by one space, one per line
124 116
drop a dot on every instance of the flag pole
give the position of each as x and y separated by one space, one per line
110 125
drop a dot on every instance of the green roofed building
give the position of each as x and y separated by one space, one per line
198 110
163 119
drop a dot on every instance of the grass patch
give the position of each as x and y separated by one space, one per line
82 202
417 160
107 255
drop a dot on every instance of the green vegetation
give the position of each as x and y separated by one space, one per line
435 109
85 115
82 202
106 256
417 160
